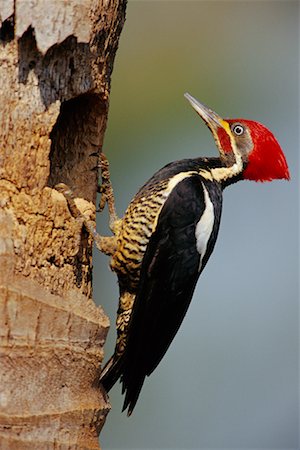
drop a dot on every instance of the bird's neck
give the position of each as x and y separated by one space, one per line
224 173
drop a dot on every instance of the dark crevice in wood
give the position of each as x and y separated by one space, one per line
29 54
60 71
76 140
7 31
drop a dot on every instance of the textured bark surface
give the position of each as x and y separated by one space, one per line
56 60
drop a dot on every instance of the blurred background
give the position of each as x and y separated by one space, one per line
230 378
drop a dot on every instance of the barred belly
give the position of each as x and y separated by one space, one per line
138 224
137 227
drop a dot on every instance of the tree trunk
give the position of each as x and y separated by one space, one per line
56 62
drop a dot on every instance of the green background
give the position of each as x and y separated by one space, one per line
230 378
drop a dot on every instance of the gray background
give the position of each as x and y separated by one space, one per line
230 378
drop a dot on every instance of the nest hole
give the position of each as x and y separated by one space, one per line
76 141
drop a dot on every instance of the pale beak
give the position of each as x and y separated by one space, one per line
212 119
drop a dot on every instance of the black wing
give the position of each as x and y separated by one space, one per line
169 274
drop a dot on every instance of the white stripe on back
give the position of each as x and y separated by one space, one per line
205 226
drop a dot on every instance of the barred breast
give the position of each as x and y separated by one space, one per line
137 227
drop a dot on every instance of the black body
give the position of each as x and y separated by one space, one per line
169 270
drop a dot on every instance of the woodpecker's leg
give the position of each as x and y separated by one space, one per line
105 244
107 194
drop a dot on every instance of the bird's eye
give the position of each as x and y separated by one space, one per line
238 129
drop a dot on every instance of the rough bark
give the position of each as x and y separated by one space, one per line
56 60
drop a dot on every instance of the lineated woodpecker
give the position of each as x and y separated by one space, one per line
166 237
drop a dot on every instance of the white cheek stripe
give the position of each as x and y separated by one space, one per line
205 226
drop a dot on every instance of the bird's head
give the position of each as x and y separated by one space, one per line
246 146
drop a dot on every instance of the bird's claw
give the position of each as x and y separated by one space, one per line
106 191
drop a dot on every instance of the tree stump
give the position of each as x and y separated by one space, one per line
56 63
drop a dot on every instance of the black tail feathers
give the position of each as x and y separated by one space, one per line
132 381
132 392
111 372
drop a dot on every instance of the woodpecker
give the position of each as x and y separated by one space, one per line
168 232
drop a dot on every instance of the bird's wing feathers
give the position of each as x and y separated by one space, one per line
169 273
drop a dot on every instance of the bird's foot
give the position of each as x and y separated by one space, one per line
106 244
107 194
